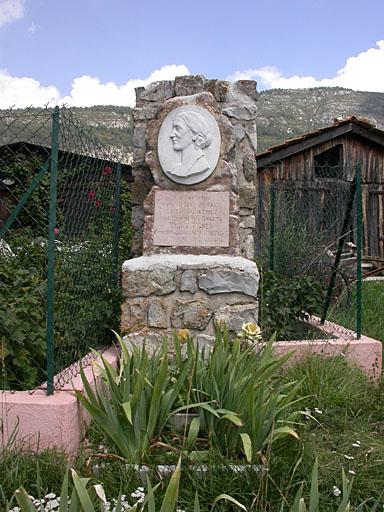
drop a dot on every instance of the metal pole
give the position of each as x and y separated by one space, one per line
116 223
272 227
358 247
340 245
51 250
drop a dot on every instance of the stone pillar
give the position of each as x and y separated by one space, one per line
193 209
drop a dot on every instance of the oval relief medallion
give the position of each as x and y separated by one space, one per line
188 145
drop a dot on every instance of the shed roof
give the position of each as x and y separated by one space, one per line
359 127
126 169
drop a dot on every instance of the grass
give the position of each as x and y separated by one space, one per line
372 306
344 428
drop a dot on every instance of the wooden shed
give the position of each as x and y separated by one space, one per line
322 166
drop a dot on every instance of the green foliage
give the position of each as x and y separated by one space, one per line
245 385
132 406
91 498
372 302
242 403
22 168
126 229
284 301
22 313
314 498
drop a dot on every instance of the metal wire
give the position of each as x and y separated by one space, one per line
84 220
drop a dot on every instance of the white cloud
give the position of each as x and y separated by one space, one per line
87 91
11 10
365 72
24 92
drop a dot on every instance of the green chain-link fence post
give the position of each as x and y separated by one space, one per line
272 226
116 224
358 248
51 250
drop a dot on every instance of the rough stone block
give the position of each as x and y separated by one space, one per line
144 283
249 168
139 136
188 281
157 314
247 195
241 113
228 281
188 85
233 316
248 222
133 316
137 219
191 314
155 92
139 191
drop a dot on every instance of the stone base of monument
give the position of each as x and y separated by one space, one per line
168 292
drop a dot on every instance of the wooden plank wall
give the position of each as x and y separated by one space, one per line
298 171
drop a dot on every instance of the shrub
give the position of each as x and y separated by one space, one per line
284 301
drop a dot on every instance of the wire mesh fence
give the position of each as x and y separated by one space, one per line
59 223
308 235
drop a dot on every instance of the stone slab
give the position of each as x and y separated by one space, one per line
191 218
181 261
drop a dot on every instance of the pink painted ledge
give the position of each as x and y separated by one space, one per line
59 420
365 352
51 421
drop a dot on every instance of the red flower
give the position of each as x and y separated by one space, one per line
106 170
92 195
98 204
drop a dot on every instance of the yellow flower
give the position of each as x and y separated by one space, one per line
183 334
250 331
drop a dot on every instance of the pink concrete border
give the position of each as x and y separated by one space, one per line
51 421
365 352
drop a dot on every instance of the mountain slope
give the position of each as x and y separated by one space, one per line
281 114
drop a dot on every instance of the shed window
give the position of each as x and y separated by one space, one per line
328 164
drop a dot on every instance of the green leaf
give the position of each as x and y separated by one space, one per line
196 505
171 494
82 493
193 432
24 501
314 497
247 446
227 498
128 412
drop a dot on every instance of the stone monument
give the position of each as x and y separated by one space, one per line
193 210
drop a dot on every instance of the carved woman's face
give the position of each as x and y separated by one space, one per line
181 135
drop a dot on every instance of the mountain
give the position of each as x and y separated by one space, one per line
281 114
287 113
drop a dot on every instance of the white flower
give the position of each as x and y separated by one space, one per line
349 457
352 472
357 444
250 331
318 411
336 491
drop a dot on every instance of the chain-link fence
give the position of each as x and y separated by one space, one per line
308 231
59 223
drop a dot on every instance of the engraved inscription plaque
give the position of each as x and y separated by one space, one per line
188 144
196 218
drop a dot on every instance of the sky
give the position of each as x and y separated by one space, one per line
95 52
